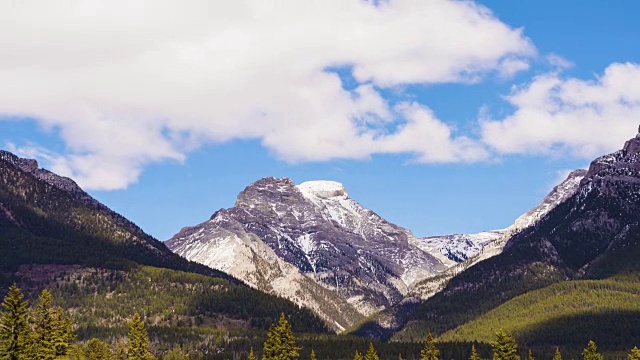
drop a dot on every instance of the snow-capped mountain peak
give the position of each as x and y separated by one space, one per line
282 238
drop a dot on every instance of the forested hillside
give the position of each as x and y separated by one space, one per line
102 268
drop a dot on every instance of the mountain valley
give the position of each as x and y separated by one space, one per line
311 251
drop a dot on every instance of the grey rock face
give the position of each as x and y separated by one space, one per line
325 235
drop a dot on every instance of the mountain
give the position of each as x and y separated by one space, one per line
465 250
313 244
102 267
48 218
460 247
592 234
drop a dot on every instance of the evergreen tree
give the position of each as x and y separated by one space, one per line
313 355
272 344
557 355
505 347
62 331
44 337
400 357
251 355
474 353
530 355
13 324
280 343
358 356
591 352
97 350
138 340
430 351
634 354
371 353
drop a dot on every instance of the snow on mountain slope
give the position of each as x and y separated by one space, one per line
469 249
460 247
312 244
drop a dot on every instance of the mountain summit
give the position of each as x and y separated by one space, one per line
313 244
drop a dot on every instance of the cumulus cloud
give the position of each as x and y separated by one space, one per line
128 83
569 117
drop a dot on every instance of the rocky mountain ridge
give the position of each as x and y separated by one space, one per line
592 234
461 247
309 242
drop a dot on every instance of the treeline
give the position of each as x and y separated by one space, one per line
573 311
44 331
176 306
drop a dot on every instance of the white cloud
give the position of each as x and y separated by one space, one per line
569 117
133 82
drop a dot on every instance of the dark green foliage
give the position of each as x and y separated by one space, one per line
591 352
530 355
97 350
138 340
251 355
430 351
504 347
357 356
52 226
13 324
313 355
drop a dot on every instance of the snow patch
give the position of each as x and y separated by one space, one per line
323 189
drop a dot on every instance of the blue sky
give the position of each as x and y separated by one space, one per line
444 117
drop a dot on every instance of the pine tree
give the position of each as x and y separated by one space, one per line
251 355
430 351
557 355
97 350
371 353
474 353
358 356
40 340
289 351
634 354
505 347
400 357
313 355
13 325
591 352
62 331
280 343
272 344
530 355
138 340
